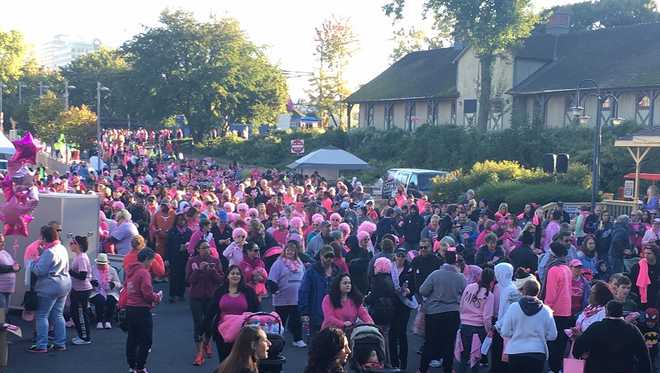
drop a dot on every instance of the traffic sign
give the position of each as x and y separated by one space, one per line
297 146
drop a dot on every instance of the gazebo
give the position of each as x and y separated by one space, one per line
328 161
639 144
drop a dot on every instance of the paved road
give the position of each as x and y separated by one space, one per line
172 349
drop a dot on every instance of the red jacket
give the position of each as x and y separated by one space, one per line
140 292
157 266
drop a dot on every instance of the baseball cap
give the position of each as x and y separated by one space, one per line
325 250
575 263
325 223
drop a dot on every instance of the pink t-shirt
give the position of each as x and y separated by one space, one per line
233 305
81 264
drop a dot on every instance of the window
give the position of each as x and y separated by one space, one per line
410 116
370 115
389 116
470 106
643 102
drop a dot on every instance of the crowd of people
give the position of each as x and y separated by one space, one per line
527 289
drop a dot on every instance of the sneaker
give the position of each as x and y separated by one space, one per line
79 341
36 349
299 344
435 364
199 359
108 325
58 348
99 325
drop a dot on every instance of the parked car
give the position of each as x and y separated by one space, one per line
415 180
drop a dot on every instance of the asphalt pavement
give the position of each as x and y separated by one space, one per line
172 350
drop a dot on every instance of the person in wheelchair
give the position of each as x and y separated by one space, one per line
105 291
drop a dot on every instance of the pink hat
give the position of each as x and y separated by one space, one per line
382 265
317 218
345 229
361 235
367 226
237 232
253 212
118 205
336 217
296 222
575 263
228 206
242 207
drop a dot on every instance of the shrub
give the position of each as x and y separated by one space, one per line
516 195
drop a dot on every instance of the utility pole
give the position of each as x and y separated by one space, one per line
66 93
99 147
20 93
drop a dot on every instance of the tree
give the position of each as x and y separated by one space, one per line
208 71
78 124
108 67
489 26
608 13
43 115
335 44
12 54
412 40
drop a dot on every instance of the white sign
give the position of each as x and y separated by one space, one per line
297 146
629 189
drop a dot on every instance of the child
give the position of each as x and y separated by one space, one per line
368 359
649 329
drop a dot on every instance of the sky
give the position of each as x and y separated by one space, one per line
285 27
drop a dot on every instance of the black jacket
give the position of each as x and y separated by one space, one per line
381 299
523 256
412 227
614 346
421 267
213 312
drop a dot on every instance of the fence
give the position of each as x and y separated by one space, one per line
614 207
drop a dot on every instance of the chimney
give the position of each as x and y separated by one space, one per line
559 22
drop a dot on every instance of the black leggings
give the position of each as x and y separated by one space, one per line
198 307
291 316
398 338
557 348
140 336
80 312
439 337
223 348
177 277
105 307
527 364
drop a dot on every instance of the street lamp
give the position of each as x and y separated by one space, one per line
578 112
66 93
2 117
20 93
99 148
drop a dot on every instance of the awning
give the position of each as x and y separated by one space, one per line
643 176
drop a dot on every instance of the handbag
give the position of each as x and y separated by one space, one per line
573 365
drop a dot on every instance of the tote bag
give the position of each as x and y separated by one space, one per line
573 365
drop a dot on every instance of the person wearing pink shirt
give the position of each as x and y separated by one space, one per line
476 310
556 293
343 306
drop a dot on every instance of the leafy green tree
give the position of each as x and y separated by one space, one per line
43 115
591 15
208 71
412 40
12 54
78 124
108 67
335 44
489 26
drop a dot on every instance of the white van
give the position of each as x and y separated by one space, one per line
415 180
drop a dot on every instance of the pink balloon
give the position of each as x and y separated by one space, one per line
26 150
16 217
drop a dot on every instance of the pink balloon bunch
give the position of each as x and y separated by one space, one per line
21 196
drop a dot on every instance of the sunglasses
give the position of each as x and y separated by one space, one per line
424 246
329 256
401 255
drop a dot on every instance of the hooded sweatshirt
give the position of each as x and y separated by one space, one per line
508 293
528 324
140 293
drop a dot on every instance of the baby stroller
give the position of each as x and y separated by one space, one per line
363 340
272 325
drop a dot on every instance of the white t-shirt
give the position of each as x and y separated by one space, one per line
124 233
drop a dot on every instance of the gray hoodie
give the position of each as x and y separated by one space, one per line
52 270
442 290
509 294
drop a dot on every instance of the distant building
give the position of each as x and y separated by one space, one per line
536 81
63 49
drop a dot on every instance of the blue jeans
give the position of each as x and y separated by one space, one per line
4 301
51 310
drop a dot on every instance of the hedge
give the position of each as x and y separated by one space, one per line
516 194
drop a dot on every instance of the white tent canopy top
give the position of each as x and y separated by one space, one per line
6 147
330 157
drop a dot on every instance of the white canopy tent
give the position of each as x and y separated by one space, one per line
6 146
328 161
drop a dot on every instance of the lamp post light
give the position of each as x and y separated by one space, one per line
20 92
67 87
99 147
578 112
